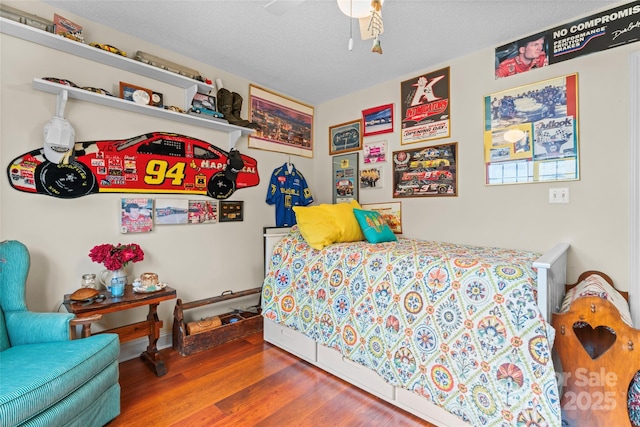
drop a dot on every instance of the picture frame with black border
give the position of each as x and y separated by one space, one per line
231 211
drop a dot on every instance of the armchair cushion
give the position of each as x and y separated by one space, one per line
36 377
28 327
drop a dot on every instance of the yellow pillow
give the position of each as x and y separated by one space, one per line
346 221
316 226
326 224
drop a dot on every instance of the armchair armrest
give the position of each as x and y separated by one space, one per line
85 322
28 327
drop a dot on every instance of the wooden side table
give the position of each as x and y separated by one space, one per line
150 327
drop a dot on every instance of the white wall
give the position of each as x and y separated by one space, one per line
202 261
595 222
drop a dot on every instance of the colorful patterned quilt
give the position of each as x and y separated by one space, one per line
456 324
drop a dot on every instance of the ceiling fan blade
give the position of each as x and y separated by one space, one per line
280 7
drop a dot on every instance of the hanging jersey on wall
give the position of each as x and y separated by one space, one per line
286 190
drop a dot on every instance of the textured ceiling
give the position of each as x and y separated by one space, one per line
304 53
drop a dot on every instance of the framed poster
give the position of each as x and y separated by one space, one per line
285 125
345 175
378 120
426 107
371 177
531 133
427 171
375 152
345 137
390 212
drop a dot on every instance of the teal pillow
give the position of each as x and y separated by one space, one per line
374 227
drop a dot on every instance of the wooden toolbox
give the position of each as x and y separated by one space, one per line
192 337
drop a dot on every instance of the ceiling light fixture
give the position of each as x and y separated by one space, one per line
369 14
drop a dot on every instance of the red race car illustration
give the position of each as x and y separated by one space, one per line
156 162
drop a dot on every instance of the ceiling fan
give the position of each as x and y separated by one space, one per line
368 13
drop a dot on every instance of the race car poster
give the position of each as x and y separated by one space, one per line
601 31
426 107
426 172
136 215
531 133
170 211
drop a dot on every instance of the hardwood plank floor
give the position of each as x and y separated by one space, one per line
246 382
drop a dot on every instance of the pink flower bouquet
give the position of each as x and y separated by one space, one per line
116 257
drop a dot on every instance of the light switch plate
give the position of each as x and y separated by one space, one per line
558 195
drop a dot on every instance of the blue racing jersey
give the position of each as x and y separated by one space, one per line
286 190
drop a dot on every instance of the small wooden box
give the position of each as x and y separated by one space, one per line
234 325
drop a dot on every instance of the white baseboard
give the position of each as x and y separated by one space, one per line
132 349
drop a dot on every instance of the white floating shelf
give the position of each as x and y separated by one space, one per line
82 50
235 132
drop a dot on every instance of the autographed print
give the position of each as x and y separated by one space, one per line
531 133
136 215
426 107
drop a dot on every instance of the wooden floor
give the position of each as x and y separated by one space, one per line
246 382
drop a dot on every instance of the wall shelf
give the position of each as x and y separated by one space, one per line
91 53
235 132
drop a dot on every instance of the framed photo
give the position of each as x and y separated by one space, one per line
231 211
137 94
426 172
345 137
378 120
375 152
391 213
136 215
371 177
170 211
426 107
203 211
285 125
531 133
345 176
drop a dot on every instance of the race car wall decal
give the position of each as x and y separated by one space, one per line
156 162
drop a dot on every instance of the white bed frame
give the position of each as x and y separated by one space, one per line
551 266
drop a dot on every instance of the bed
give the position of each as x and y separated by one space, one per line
451 333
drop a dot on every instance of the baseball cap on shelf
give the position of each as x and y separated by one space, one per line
234 165
59 139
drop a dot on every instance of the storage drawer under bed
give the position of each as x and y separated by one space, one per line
292 341
368 380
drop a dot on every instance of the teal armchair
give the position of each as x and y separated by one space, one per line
47 378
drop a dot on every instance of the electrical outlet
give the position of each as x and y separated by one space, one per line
558 195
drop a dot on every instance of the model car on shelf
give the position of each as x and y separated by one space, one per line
109 48
156 162
206 105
